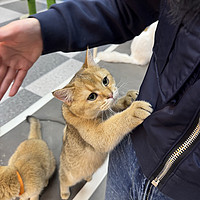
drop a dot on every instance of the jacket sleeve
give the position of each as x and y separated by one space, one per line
75 24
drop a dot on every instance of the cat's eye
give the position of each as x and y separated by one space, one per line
105 81
92 96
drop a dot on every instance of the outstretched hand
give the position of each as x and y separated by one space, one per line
20 46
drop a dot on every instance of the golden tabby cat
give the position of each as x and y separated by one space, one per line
87 139
29 168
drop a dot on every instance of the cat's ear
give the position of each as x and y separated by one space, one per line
65 94
89 61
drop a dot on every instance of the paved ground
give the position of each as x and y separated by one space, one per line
34 97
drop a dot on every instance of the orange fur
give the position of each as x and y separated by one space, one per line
33 161
87 139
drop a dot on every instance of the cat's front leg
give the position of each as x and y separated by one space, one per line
107 134
116 127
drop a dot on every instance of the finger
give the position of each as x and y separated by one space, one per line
17 82
3 72
9 77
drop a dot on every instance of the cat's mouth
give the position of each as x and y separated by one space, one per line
110 101
107 104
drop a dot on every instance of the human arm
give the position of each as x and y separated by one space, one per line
74 25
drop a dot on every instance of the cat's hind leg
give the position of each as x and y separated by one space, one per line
64 190
64 185
66 181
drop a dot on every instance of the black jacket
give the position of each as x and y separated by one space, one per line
171 84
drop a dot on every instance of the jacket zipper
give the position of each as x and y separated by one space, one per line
176 154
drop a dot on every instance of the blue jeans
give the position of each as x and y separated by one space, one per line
125 180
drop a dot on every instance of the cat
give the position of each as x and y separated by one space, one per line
29 168
87 138
141 49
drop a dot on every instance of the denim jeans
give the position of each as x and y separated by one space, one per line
125 180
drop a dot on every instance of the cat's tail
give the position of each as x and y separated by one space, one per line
35 131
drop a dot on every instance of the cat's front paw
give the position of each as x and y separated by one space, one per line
125 101
141 110
130 97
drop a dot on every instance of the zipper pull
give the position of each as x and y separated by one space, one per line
155 182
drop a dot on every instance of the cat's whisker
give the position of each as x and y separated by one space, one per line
105 106
99 115
106 113
102 114
102 107
112 111
102 117
119 83
120 87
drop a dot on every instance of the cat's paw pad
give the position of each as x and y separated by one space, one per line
131 96
142 109
65 196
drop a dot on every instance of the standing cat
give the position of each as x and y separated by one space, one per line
141 49
29 168
87 138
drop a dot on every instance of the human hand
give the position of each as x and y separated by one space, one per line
20 46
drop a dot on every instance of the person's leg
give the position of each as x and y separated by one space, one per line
155 194
125 179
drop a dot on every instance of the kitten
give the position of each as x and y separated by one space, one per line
29 168
87 139
141 49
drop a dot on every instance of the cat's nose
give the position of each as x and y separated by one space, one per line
110 95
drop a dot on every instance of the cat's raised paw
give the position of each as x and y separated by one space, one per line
141 109
131 96
125 101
